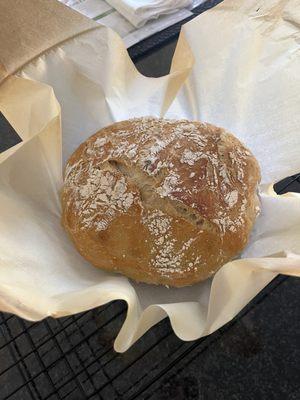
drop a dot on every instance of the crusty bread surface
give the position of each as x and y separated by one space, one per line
160 201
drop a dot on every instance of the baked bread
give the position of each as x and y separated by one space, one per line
160 201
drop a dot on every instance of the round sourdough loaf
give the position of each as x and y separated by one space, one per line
160 201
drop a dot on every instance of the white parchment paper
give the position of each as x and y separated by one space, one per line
237 66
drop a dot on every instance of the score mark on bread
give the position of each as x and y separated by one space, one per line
160 201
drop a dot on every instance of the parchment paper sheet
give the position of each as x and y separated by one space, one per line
245 77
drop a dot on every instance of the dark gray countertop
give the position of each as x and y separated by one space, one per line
255 356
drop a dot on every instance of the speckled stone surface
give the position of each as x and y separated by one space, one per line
8 136
257 357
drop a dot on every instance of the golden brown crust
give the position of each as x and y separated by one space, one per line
160 201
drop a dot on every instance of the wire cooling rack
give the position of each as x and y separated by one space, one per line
72 358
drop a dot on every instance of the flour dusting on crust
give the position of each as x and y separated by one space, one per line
165 168
103 191
166 257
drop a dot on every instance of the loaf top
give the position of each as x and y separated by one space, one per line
162 178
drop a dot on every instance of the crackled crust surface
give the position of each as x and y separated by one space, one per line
160 201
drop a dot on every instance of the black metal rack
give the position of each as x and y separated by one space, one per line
73 358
